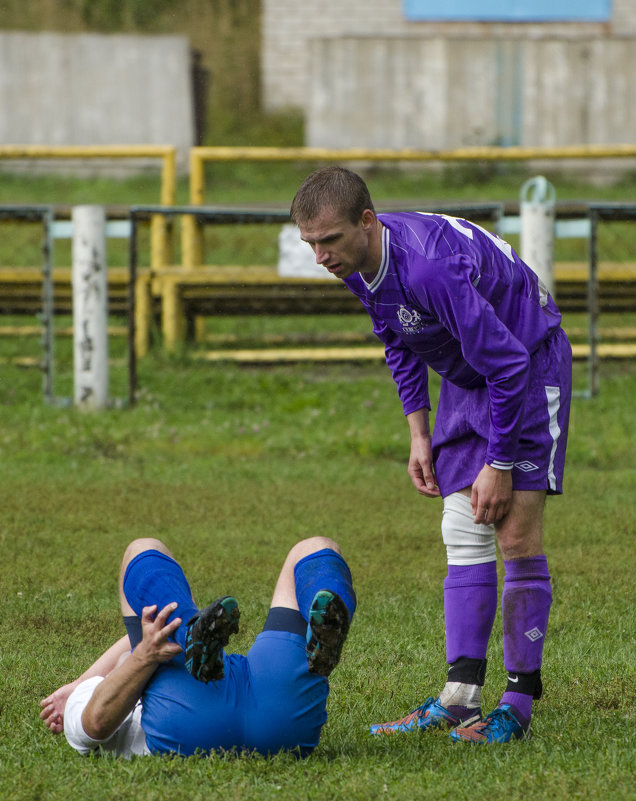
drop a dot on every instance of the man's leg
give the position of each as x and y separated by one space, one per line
470 606
150 575
525 603
310 614
316 581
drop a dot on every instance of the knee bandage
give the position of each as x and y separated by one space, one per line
467 543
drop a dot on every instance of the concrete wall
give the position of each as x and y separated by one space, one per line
91 89
289 26
448 93
364 75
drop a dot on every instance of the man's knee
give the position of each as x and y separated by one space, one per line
312 545
467 542
144 544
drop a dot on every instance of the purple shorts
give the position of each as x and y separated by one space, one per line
462 425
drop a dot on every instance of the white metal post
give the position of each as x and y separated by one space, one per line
537 212
90 307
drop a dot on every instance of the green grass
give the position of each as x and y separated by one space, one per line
230 466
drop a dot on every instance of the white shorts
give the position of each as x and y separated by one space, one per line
129 739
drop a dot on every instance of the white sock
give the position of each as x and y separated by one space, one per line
456 693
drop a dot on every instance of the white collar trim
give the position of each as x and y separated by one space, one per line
384 264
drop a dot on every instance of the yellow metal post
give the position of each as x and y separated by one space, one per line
191 232
172 313
161 242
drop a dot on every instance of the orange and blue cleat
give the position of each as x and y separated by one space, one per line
431 715
500 726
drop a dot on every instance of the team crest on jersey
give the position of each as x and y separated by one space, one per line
411 320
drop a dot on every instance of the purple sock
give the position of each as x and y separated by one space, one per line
525 604
470 606
522 704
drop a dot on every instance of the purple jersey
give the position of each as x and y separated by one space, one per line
455 297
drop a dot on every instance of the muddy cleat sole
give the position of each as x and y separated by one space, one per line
208 632
431 715
326 632
500 726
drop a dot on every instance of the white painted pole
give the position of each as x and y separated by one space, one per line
537 211
90 307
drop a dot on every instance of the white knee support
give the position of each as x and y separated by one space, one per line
467 543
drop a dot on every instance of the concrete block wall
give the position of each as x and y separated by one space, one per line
452 93
289 27
623 18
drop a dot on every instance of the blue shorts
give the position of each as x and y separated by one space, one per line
267 701
462 426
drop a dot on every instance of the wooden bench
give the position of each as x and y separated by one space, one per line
177 298
209 291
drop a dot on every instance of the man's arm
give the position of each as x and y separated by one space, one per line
421 459
54 705
116 696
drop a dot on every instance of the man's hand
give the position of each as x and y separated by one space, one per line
155 645
491 495
421 467
53 707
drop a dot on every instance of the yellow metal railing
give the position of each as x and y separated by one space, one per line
160 244
192 233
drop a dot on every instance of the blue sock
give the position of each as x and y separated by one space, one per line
153 577
323 570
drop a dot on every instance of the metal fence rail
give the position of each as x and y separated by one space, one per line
598 213
181 298
42 291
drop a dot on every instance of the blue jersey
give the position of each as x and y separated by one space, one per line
452 296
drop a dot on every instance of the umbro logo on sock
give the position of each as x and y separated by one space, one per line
533 634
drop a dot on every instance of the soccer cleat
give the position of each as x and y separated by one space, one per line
500 726
431 715
326 632
208 632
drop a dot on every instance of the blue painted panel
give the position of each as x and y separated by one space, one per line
509 10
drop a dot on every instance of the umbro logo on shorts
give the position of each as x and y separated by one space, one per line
526 466
533 634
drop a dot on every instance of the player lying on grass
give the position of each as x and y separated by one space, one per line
169 686
446 294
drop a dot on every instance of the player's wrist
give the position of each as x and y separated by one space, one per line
144 658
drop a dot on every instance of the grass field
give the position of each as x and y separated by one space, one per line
230 466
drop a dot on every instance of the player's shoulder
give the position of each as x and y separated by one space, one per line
422 233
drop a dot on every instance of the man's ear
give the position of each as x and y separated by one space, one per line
367 219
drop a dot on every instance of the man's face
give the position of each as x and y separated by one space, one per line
341 246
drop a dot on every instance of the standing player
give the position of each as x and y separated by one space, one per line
446 294
177 691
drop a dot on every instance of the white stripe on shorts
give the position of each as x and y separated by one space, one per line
553 394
